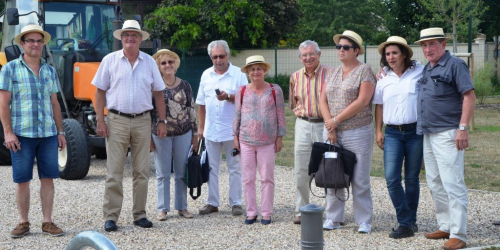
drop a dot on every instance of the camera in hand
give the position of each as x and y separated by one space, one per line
217 91
235 152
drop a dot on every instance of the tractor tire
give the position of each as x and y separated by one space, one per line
74 159
5 159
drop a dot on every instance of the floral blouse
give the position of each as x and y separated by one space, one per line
181 114
341 93
259 120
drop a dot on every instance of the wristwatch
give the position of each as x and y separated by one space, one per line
163 121
61 133
228 97
463 128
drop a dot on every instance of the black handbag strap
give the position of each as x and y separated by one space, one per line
311 177
198 193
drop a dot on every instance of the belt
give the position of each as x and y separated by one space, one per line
128 115
404 127
310 119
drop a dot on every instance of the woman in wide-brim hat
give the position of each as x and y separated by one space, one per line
181 133
258 129
396 99
346 108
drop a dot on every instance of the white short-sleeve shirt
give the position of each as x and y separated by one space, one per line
219 114
129 89
399 96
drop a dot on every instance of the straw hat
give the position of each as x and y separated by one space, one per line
32 28
169 53
430 34
255 60
130 25
353 36
395 40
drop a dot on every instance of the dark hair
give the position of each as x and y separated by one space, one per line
407 62
354 44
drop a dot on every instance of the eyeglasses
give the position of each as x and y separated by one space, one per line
32 41
218 57
345 47
127 35
170 62
310 55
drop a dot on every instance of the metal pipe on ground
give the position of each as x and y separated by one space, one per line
91 239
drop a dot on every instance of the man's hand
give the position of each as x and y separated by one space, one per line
380 140
152 146
223 96
161 130
102 129
61 139
462 139
11 142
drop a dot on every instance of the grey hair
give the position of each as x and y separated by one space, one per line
308 43
218 43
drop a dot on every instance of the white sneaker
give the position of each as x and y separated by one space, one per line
365 228
330 225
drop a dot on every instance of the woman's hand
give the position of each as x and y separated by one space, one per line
237 143
380 140
152 146
279 144
194 141
332 136
330 124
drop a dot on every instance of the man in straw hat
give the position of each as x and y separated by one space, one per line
305 90
445 107
218 86
124 82
32 123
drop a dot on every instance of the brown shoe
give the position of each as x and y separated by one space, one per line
185 214
454 243
437 235
297 220
51 229
208 209
21 230
237 210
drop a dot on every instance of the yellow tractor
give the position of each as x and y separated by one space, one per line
82 34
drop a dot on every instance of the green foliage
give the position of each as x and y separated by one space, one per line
403 18
242 23
483 82
283 82
491 26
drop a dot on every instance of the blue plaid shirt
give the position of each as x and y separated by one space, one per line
30 106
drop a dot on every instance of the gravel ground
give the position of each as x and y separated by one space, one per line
78 207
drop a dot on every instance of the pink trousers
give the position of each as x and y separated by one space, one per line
261 158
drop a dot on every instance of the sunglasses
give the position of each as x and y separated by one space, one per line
218 57
345 47
31 41
170 62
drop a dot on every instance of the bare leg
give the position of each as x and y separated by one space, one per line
23 200
47 197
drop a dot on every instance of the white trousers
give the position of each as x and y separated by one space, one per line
214 150
306 133
444 168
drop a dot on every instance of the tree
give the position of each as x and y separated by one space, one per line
491 24
454 12
242 23
403 18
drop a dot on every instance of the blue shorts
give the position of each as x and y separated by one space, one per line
45 151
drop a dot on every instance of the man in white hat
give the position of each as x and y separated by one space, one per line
32 124
445 107
126 82
218 86
305 89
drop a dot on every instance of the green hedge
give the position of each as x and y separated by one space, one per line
283 81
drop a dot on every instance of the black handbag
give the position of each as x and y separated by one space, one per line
319 148
205 166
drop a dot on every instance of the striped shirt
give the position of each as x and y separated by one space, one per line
305 91
30 106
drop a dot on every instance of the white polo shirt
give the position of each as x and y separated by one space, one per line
219 114
129 89
399 96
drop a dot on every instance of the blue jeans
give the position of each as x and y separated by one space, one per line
405 145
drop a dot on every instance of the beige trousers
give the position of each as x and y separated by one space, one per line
124 131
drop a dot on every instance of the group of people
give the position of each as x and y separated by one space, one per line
426 110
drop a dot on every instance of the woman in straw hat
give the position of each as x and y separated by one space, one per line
396 98
258 128
181 133
345 106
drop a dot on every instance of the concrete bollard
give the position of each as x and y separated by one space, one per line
312 227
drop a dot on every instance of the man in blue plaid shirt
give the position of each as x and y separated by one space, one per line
32 123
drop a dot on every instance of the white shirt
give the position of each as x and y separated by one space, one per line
399 96
219 114
128 89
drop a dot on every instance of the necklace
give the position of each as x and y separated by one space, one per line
172 83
